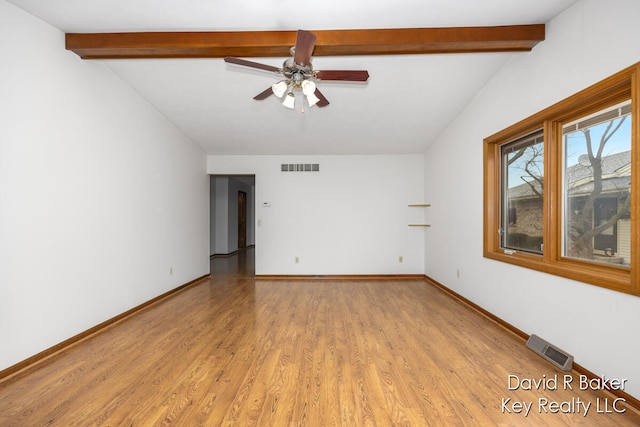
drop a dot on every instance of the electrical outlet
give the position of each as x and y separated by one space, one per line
458 273
170 271
401 259
297 260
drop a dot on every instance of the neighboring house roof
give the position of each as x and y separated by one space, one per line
616 173
525 191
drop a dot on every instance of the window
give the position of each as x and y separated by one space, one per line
559 185
522 163
597 185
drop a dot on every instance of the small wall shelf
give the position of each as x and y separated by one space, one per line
419 205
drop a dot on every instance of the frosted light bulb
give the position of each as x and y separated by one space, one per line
308 87
312 99
289 100
279 88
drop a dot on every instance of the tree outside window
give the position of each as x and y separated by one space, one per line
597 184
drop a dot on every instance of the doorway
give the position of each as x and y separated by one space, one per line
232 216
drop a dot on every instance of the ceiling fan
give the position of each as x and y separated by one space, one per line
299 74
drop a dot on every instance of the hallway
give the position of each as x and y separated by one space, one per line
240 265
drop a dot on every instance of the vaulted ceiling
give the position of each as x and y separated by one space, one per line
413 93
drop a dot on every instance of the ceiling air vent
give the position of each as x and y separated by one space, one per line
300 167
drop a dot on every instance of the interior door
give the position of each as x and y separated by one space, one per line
242 219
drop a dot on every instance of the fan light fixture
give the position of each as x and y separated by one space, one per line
299 74
289 87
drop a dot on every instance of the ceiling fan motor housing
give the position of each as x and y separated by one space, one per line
295 72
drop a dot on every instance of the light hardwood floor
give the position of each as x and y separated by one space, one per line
234 351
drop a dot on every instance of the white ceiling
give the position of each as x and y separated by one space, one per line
407 102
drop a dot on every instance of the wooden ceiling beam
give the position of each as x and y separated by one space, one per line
398 41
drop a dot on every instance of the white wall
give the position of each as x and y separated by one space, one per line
350 218
588 42
220 217
251 216
100 196
212 215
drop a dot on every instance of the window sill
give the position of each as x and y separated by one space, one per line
607 276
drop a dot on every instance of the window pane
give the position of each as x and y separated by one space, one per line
522 201
597 180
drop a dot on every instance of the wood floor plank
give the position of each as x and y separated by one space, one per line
239 352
